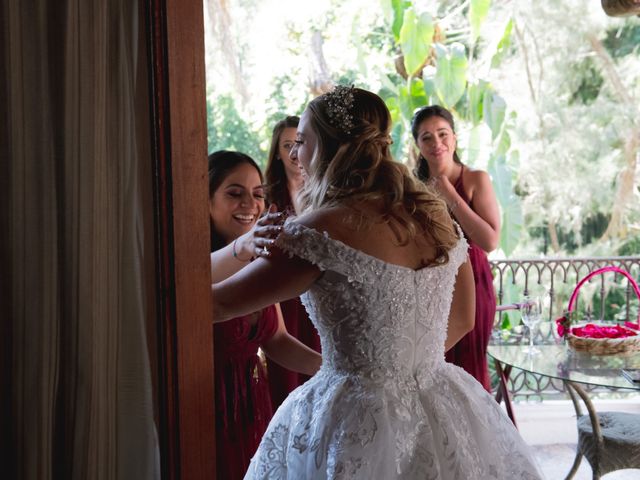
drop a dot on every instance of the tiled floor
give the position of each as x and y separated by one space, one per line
550 429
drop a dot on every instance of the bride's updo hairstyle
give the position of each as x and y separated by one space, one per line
352 162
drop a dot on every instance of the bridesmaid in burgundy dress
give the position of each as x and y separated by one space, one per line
284 181
243 402
472 202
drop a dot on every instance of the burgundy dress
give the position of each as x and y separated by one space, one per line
470 352
243 403
281 380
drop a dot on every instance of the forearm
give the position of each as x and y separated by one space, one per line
292 354
224 263
478 230
261 283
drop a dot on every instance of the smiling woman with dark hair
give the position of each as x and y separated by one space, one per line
243 402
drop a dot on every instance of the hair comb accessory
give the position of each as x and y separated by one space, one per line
339 104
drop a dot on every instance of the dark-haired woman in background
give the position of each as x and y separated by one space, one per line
284 181
472 202
243 403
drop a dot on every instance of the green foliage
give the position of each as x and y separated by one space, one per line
623 41
478 11
512 219
378 39
416 34
589 82
631 247
555 167
475 94
227 130
411 97
615 303
503 46
451 74
279 100
493 110
592 227
573 125
398 8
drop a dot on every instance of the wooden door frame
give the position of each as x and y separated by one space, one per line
175 43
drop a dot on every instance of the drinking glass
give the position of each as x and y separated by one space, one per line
531 315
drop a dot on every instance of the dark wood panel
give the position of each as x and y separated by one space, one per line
177 82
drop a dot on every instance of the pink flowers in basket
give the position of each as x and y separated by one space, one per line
592 330
598 331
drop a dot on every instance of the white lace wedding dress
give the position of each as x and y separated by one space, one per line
385 405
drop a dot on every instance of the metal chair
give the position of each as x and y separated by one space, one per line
608 440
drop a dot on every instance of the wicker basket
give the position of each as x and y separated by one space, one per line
602 346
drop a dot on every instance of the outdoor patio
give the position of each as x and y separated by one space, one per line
545 415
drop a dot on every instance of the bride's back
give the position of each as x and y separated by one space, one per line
380 315
362 227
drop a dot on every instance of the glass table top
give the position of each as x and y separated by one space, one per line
561 362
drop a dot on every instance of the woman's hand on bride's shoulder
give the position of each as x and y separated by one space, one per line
256 242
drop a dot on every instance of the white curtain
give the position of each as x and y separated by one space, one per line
77 228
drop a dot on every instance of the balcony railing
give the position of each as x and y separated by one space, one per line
605 297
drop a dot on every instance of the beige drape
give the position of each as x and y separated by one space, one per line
75 223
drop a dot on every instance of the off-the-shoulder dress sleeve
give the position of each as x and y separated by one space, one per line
314 246
330 254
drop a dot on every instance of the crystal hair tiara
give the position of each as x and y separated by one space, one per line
339 103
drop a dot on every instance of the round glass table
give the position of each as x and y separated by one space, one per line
563 363
573 369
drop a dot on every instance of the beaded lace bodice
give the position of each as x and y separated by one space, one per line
389 323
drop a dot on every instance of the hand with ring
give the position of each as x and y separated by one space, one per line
256 242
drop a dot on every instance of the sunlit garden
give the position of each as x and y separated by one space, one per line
545 96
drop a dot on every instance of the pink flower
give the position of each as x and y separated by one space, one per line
562 325
591 330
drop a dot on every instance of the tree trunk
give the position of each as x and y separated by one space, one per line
221 26
320 77
626 179
553 236
626 183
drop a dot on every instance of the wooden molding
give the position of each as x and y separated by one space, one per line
185 330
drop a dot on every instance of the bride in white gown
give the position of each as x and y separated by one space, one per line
384 276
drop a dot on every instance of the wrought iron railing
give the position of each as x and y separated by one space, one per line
605 297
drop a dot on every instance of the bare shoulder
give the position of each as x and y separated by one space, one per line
477 181
348 223
476 176
325 219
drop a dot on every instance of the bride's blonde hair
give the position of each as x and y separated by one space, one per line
352 162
